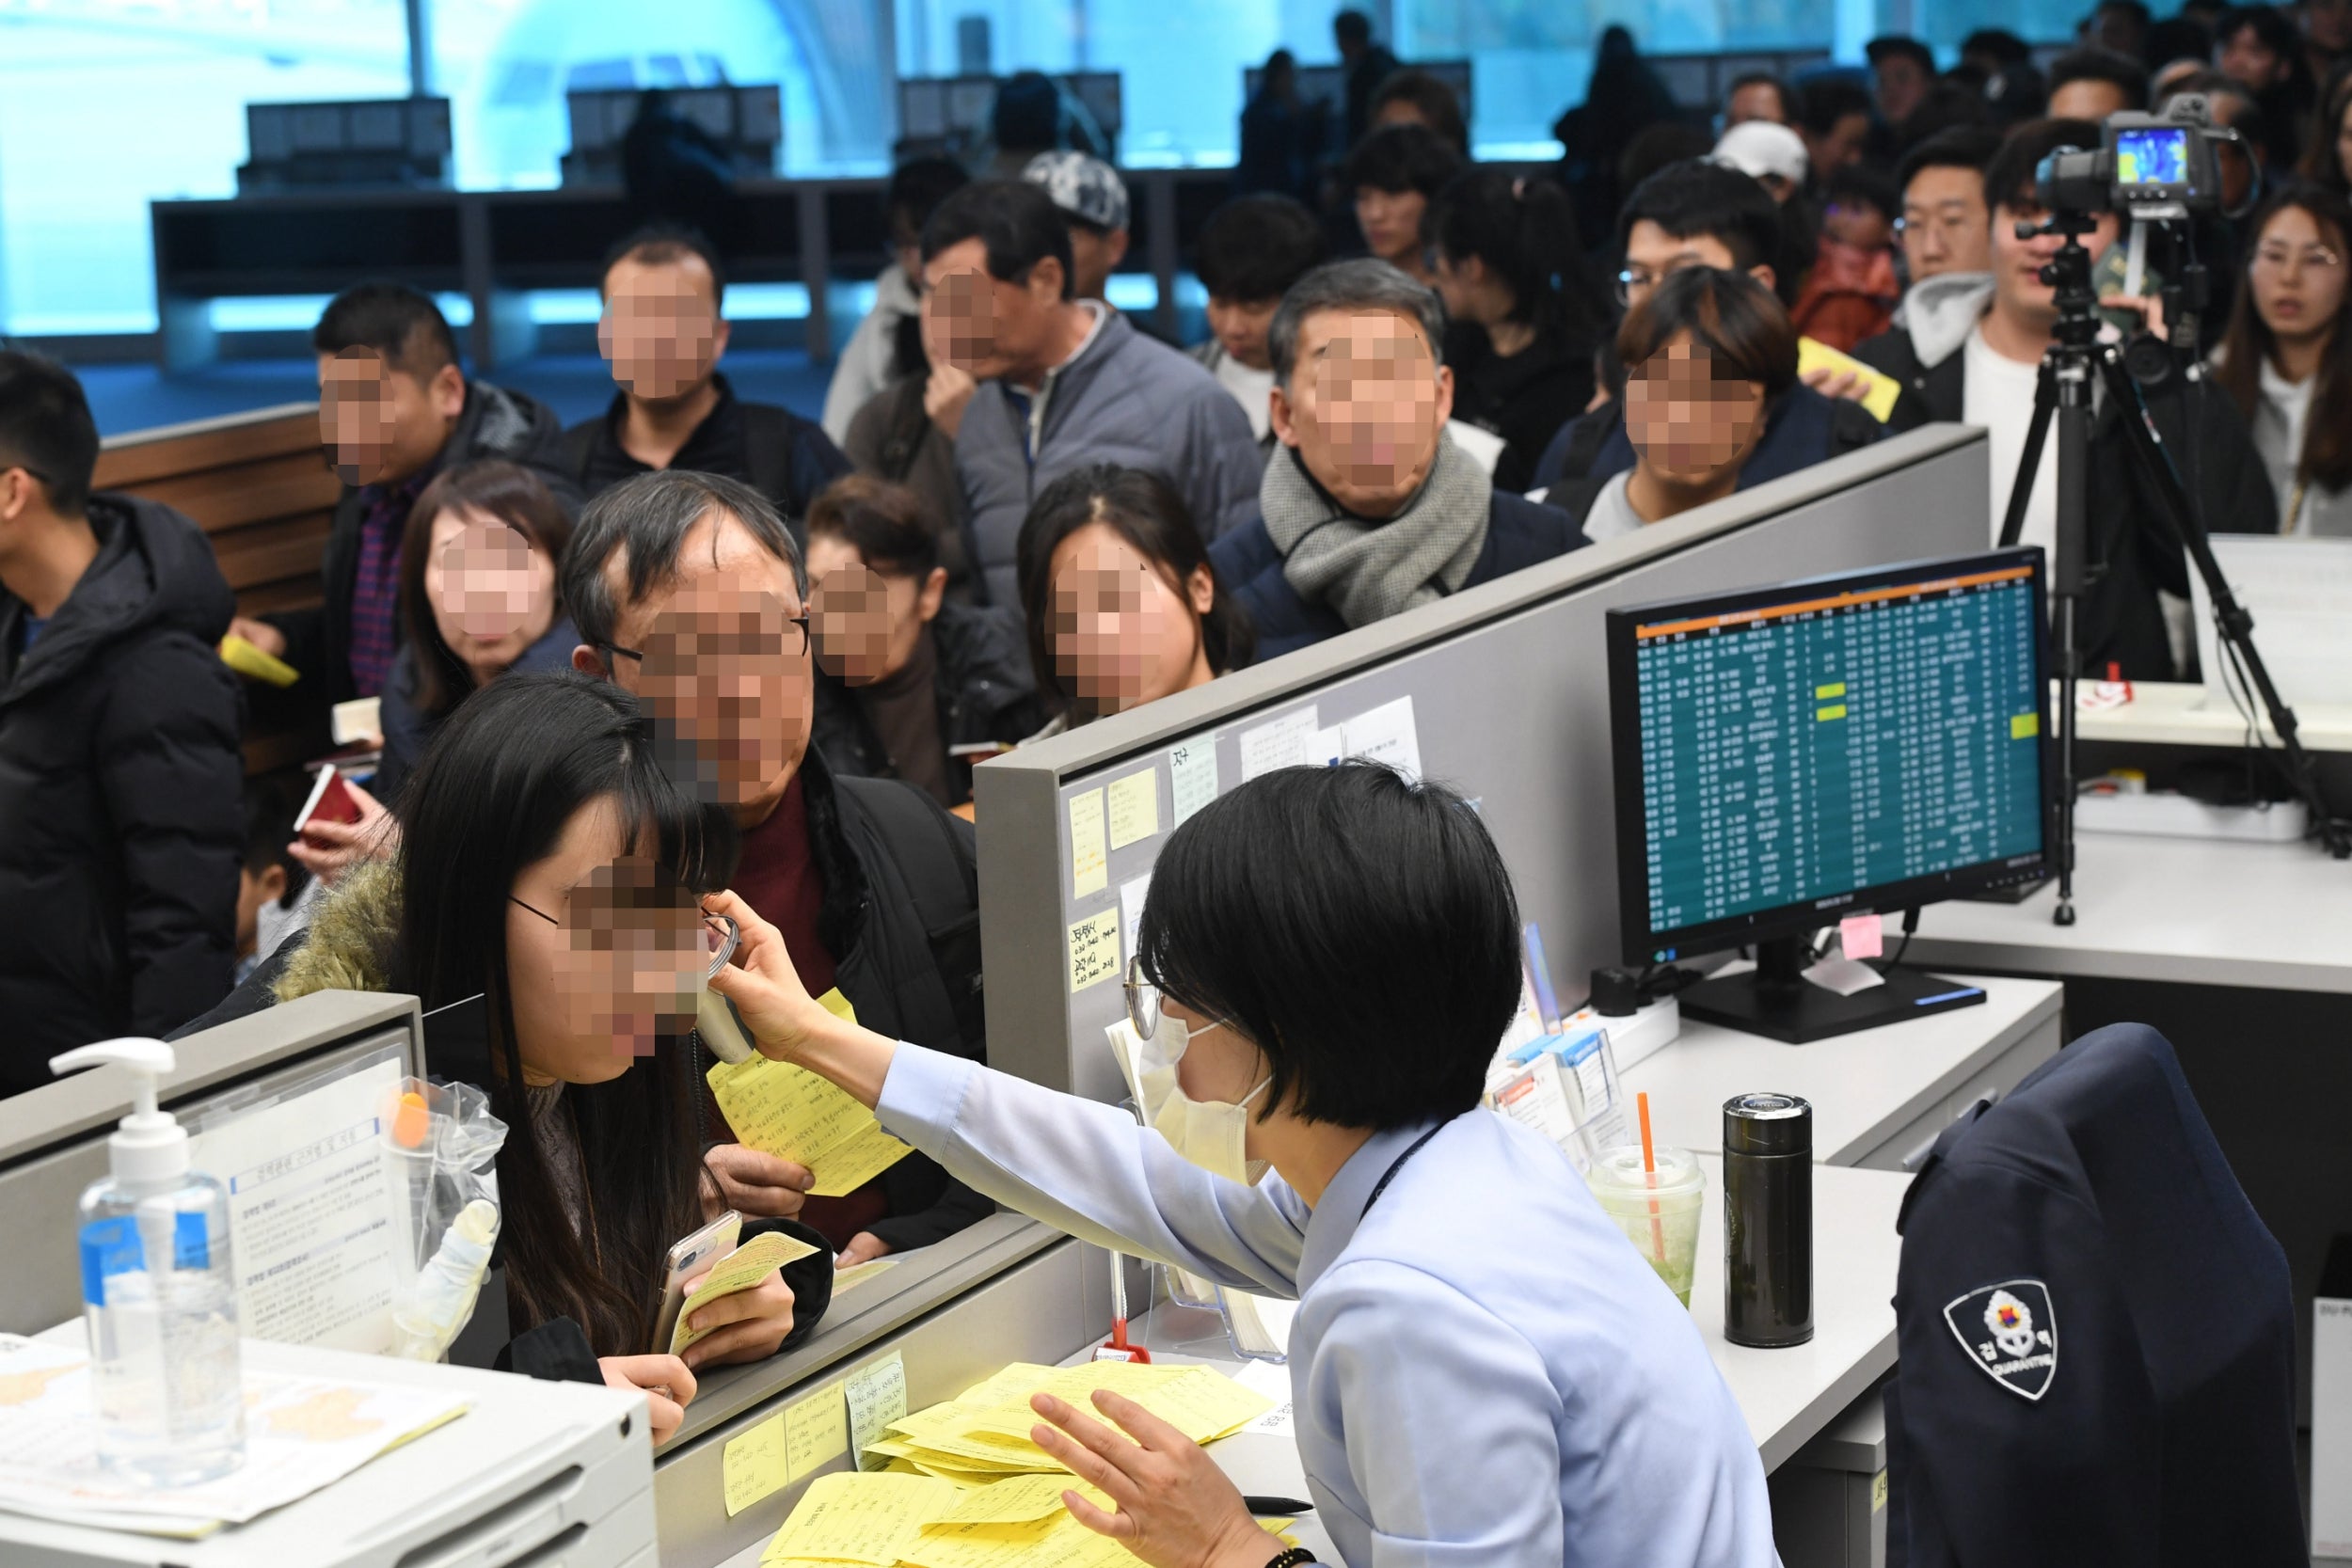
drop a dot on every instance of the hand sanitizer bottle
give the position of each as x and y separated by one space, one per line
158 1294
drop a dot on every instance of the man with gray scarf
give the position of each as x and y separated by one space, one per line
1368 507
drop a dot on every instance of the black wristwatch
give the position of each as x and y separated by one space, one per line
1293 1557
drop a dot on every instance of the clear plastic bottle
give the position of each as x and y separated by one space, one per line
159 1294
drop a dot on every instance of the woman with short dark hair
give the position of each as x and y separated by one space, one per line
1483 1371
478 597
1122 604
1392 176
1710 388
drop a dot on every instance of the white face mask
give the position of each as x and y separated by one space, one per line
1211 1133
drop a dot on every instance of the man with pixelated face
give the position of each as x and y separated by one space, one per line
664 332
1064 381
689 592
395 408
1368 507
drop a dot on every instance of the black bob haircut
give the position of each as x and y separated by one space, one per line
1254 248
1968 146
2120 71
915 190
2009 179
1399 158
1900 46
46 428
1826 99
657 243
402 324
1358 927
1695 198
1016 222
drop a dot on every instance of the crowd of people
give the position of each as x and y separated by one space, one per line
700 642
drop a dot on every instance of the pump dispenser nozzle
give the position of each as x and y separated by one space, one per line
150 1146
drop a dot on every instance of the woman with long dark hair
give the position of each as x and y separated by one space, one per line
2286 360
1522 319
1122 605
550 867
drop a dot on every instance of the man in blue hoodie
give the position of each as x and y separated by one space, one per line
121 814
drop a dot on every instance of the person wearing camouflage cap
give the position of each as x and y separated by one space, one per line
1093 202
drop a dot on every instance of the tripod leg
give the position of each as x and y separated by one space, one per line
2030 464
2230 618
2067 581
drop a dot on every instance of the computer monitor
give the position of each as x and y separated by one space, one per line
1790 756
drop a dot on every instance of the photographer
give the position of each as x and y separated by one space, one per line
2136 613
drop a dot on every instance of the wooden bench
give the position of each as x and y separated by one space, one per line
259 486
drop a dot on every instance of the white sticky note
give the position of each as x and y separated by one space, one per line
1130 895
1093 950
1281 743
878 1395
1089 861
1191 776
1387 735
1135 807
1325 748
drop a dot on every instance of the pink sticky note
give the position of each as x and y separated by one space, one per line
1861 936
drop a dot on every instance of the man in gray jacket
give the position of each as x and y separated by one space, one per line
1064 381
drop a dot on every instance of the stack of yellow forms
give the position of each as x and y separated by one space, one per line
966 1488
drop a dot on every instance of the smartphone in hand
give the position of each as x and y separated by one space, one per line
690 1259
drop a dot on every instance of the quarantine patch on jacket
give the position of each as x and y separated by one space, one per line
2009 1331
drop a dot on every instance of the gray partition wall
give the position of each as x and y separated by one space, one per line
1508 692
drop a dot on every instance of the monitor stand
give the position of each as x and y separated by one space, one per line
1776 1001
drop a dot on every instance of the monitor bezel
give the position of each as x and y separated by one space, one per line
1640 942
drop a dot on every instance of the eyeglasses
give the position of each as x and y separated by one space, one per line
717 935
1143 1000
1635 282
1949 226
613 650
2316 257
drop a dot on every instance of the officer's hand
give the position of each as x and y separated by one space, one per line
752 1183
1176 1507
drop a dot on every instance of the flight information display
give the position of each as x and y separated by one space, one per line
1796 753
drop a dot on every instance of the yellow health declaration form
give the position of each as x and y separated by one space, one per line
789 1112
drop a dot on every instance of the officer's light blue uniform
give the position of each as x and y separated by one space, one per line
1483 1371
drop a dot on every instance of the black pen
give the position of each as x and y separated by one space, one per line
1272 1508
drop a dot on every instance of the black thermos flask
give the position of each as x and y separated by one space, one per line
1768 1220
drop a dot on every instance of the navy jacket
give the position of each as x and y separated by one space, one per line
1803 429
1519 534
2096 1335
409 729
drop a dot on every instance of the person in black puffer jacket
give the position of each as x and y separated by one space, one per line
122 784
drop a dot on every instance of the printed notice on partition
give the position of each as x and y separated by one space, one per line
322 1233
1191 776
1282 743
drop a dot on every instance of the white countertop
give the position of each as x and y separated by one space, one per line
2174 713
2194 911
1863 1088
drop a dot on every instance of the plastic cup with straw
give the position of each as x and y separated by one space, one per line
1649 1170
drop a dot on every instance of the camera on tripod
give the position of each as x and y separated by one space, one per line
2151 168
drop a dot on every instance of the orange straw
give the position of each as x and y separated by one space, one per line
1649 1167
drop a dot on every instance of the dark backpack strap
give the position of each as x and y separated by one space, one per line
579 443
1584 443
943 879
768 440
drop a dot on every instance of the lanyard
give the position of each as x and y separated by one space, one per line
1390 1175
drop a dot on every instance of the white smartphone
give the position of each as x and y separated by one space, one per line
689 1258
